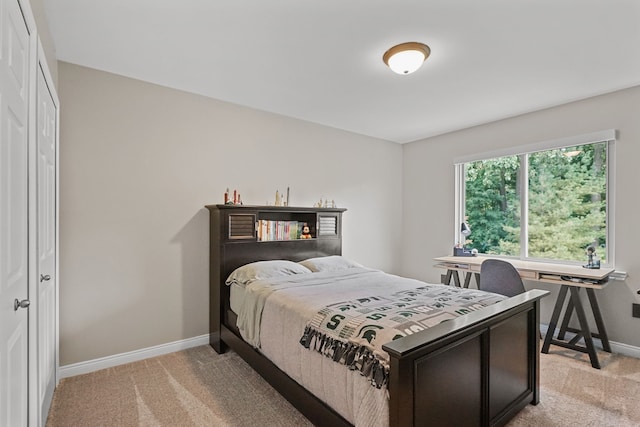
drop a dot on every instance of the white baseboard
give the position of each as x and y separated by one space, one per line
158 350
625 349
131 356
616 347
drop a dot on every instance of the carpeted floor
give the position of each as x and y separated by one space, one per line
198 387
572 393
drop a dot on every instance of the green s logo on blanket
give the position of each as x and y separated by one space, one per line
335 321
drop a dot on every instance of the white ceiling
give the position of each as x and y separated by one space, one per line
321 60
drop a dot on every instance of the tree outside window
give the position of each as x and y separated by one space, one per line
565 191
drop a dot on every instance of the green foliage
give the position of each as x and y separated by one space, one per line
566 199
493 206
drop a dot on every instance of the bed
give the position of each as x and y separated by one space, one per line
480 369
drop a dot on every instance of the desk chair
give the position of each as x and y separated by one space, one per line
500 277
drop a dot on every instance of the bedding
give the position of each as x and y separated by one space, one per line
236 295
261 270
329 263
274 313
352 332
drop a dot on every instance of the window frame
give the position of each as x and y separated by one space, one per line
607 136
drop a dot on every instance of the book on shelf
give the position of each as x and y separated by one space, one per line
272 230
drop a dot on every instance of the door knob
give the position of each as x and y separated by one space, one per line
21 304
44 278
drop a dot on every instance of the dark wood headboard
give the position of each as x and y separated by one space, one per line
235 240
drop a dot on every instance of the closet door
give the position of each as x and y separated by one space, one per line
14 214
46 147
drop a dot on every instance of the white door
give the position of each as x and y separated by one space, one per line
14 100
46 214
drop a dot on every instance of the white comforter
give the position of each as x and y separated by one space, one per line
273 316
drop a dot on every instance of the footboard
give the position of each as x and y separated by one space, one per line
476 370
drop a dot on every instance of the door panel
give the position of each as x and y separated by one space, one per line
46 214
16 403
14 266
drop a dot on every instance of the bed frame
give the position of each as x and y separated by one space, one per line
480 369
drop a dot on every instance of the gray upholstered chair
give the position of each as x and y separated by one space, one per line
500 277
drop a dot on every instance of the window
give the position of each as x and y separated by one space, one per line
544 203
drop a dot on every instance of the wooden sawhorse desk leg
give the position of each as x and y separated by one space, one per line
584 332
551 329
597 316
456 278
467 279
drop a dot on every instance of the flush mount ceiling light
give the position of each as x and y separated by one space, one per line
406 58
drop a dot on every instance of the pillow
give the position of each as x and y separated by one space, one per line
261 270
329 263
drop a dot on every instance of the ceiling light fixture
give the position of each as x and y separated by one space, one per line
406 58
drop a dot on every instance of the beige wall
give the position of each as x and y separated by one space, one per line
137 164
428 200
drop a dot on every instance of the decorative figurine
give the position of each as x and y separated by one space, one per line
306 233
593 262
228 200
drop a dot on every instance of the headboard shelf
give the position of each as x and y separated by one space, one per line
276 208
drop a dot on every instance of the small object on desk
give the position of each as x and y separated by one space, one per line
459 249
593 260
595 281
463 252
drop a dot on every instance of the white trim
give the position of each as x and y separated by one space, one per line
458 238
625 349
616 347
611 203
618 275
158 350
524 205
33 406
131 356
604 135
44 402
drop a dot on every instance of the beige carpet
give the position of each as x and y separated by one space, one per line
198 387
572 393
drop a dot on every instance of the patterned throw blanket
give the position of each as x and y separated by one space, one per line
353 332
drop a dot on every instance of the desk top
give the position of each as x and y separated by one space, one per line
533 270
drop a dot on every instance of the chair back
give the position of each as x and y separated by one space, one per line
500 277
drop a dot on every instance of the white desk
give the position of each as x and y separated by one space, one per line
590 279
